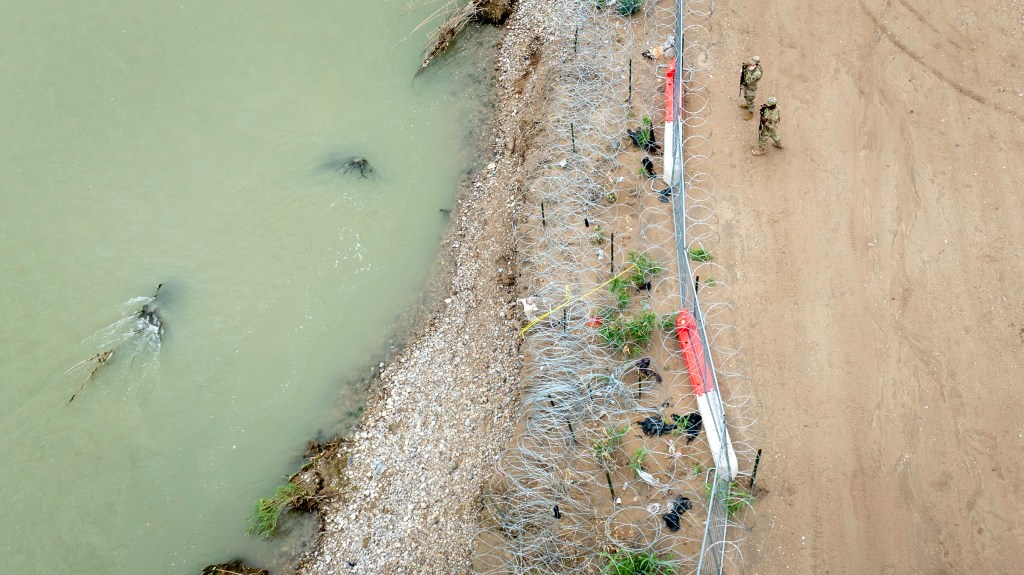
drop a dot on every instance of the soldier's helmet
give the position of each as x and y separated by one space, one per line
755 59
772 101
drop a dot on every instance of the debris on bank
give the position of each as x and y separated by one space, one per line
236 567
484 11
317 481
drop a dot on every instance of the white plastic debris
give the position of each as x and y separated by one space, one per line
530 308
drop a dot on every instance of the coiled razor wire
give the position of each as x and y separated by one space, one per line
580 479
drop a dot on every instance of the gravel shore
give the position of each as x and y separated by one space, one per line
447 405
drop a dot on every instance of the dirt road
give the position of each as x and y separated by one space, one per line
878 275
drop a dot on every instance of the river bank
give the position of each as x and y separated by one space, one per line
444 408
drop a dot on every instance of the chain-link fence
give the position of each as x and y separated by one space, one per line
688 122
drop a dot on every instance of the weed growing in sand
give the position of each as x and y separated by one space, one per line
646 268
636 463
611 330
629 7
682 426
738 497
625 562
267 512
639 329
598 238
699 255
620 289
645 134
668 322
628 334
604 448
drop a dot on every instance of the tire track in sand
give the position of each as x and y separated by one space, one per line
964 90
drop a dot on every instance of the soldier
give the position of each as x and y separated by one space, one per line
768 127
750 75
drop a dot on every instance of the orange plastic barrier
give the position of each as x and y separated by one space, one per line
693 353
669 92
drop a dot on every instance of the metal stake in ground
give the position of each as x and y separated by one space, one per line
753 474
612 258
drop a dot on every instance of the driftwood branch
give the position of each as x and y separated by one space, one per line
488 11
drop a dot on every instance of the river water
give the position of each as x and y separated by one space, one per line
195 145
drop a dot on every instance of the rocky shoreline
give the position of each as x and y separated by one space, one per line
445 407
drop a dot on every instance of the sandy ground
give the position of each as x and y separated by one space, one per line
877 271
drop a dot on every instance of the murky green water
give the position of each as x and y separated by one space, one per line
193 144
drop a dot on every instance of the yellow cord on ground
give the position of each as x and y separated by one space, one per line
569 299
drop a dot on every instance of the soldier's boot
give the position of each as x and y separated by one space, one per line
749 116
757 152
744 104
777 143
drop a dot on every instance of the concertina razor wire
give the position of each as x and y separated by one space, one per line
580 480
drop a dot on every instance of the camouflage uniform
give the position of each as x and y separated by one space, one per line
769 126
749 85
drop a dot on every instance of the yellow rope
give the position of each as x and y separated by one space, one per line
569 299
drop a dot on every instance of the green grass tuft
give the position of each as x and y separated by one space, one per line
267 512
636 463
604 448
737 498
628 333
646 268
611 331
620 289
625 562
645 134
668 322
639 329
699 255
